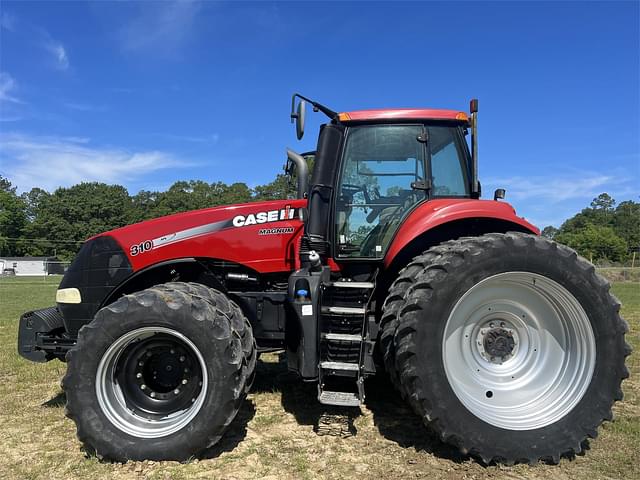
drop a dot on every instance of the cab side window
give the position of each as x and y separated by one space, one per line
448 165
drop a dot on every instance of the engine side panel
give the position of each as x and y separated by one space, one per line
262 236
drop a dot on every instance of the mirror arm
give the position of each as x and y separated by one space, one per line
317 106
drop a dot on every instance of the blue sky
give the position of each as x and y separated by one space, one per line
144 94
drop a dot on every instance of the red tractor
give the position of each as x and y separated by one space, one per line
506 344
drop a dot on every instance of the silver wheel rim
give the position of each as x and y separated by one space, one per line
519 351
116 404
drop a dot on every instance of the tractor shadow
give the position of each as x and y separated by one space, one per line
58 401
234 434
300 399
395 421
392 417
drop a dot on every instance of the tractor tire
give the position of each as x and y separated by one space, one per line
509 346
159 374
393 302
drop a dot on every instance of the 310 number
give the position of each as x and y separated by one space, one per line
141 247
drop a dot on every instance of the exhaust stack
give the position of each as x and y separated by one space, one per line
473 107
302 172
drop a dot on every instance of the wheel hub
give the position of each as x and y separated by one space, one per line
159 376
499 342
151 382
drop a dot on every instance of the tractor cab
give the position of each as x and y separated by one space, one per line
373 167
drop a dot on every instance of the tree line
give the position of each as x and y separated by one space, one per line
604 232
40 223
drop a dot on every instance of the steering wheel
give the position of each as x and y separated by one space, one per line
376 210
351 189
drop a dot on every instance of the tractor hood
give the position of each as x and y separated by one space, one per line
258 235
261 236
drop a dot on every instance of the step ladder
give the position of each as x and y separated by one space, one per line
342 333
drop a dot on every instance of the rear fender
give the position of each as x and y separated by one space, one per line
440 220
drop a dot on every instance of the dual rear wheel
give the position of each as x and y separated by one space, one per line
509 346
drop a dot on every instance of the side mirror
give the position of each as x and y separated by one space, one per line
299 116
499 194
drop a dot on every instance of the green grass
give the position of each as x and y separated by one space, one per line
273 436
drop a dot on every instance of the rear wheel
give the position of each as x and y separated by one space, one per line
510 347
159 374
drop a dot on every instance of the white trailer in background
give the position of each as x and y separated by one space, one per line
29 266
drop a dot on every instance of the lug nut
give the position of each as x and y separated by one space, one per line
153 394
182 358
140 364
143 387
176 391
172 351
138 375
184 381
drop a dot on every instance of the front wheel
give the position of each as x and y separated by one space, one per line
159 374
510 346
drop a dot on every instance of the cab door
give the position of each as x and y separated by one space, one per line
386 171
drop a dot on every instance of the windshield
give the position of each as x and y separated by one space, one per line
383 178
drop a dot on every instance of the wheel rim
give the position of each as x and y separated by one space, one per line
519 351
151 382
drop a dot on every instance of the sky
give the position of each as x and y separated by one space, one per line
145 94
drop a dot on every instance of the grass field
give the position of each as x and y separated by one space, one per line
274 435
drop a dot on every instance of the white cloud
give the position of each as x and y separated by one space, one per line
556 188
7 85
11 107
160 28
39 36
549 200
51 162
60 57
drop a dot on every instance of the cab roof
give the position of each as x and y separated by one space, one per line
402 114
